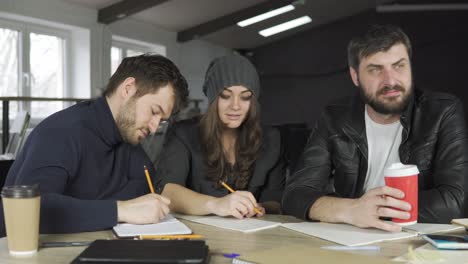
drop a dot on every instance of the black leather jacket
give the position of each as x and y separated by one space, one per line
334 161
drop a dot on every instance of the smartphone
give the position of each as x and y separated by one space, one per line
448 241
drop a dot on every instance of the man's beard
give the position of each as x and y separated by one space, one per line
126 122
391 106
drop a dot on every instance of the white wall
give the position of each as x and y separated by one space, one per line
192 57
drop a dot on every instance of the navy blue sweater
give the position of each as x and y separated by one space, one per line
82 166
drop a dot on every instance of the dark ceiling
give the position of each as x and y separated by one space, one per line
215 20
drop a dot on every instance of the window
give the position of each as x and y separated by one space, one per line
32 64
9 64
124 47
46 72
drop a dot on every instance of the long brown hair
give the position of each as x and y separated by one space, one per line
247 145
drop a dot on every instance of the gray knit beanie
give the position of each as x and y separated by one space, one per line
230 71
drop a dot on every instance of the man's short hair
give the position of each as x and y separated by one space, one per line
378 38
151 72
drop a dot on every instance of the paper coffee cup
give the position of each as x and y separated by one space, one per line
404 178
21 206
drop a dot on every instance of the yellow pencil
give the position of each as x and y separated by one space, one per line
227 187
148 178
231 191
168 237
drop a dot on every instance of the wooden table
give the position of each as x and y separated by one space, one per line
219 241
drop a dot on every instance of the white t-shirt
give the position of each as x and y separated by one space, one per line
383 142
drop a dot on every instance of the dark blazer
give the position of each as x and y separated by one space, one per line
434 138
183 162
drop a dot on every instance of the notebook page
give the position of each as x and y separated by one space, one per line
424 228
167 226
244 225
344 234
461 221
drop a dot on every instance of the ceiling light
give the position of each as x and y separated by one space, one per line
266 15
285 26
422 7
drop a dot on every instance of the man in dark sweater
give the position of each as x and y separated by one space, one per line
87 159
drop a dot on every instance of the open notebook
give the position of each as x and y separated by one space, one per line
247 225
168 226
349 235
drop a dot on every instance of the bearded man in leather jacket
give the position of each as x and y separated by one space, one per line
339 178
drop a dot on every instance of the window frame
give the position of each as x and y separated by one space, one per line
125 44
25 28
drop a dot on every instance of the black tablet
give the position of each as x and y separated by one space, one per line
144 251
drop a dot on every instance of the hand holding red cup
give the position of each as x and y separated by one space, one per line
405 178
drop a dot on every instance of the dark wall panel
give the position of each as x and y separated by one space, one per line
301 74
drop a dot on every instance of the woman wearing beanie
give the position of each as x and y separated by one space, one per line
226 144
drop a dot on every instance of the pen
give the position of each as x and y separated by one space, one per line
231 191
376 248
150 184
170 237
231 255
66 244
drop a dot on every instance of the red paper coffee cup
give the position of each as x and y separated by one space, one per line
405 178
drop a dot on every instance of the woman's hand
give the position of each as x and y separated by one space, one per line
239 204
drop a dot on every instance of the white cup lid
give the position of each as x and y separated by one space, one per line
401 170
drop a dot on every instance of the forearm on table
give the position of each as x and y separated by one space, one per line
65 214
331 210
186 201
